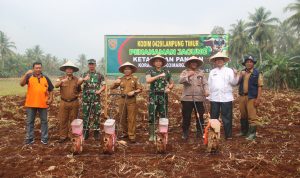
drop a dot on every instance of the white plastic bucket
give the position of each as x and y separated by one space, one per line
109 126
163 125
77 126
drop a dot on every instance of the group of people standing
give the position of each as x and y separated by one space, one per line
218 88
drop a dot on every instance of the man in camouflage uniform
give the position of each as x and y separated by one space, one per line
93 86
161 83
129 88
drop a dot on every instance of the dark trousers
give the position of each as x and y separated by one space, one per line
225 108
187 109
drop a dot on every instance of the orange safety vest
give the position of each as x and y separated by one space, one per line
37 92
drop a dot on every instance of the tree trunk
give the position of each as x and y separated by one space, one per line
260 56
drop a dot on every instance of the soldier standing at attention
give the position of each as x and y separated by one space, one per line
161 83
93 85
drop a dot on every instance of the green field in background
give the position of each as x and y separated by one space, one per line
11 86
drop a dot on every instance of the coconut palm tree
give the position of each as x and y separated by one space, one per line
239 40
35 54
285 39
260 29
5 47
294 20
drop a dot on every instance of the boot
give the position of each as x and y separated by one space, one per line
97 135
86 134
244 128
152 132
252 133
185 135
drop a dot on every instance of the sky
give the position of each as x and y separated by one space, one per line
67 28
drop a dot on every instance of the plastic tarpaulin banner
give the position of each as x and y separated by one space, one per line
138 49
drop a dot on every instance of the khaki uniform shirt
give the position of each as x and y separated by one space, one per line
128 84
194 87
69 89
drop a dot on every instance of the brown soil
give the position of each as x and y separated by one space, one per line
275 153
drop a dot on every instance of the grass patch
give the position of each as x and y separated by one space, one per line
11 86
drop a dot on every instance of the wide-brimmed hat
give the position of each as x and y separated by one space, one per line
219 55
127 64
151 61
193 59
69 64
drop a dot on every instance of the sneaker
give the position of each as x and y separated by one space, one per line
44 142
29 141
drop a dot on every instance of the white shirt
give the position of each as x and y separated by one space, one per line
220 83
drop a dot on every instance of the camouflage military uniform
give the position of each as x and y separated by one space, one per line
158 100
91 106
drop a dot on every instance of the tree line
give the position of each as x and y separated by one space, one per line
275 44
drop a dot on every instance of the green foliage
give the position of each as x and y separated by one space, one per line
276 44
294 19
281 72
5 49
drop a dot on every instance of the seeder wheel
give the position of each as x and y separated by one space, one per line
77 144
161 142
213 141
109 143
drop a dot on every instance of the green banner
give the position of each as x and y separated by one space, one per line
138 49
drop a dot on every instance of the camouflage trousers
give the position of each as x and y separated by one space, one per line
158 107
91 114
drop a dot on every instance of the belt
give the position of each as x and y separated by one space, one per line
69 100
244 94
158 92
124 96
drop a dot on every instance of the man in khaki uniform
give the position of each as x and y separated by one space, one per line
69 104
250 91
129 87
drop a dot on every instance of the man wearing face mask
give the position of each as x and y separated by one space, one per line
250 91
129 87
69 104
93 85
220 81
38 98
195 89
